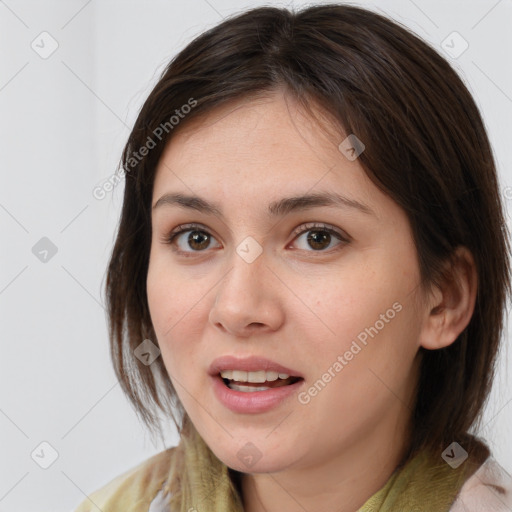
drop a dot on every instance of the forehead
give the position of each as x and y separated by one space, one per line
256 134
260 148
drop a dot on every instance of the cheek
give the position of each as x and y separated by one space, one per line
170 293
166 300
346 304
368 355
368 303
160 297
178 309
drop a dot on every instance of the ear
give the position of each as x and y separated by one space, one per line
449 308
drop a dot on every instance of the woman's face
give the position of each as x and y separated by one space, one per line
328 290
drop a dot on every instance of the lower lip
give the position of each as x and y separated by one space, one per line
255 401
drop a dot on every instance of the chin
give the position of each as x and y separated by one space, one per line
255 456
260 466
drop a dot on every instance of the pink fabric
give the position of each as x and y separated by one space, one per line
489 489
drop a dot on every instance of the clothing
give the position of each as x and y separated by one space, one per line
189 478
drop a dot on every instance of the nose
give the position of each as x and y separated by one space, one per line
247 299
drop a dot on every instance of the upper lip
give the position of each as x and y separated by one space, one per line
249 364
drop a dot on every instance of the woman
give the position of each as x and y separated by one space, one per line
310 270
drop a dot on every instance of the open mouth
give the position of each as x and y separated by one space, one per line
249 382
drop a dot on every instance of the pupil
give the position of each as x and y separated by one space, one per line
314 238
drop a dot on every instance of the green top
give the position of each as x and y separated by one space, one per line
426 483
197 480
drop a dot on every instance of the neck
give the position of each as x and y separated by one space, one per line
343 483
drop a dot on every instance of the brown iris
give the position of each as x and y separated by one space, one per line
318 237
200 238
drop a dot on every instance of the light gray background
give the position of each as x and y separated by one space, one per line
63 122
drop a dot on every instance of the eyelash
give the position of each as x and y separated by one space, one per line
304 228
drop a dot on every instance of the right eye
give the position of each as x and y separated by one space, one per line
198 239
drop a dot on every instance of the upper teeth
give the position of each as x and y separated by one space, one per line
259 376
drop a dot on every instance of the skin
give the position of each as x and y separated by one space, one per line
295 304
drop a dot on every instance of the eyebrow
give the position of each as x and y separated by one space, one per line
277 208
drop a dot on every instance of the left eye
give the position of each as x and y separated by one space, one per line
320 237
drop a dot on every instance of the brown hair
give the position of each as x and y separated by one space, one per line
426 147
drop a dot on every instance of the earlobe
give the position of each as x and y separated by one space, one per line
451 305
